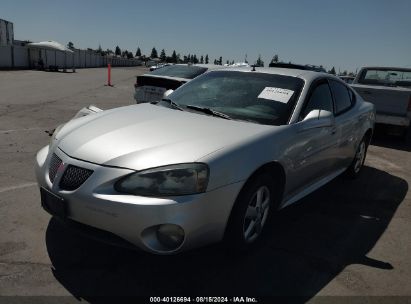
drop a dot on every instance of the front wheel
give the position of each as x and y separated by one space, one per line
251 212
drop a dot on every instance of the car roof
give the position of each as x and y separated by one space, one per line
386 68
308 67
211 66
304 74
166 77
201 65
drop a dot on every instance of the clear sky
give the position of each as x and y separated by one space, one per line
343 33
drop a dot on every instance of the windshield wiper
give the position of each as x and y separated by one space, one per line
173 104
208 111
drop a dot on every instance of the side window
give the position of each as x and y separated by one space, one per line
341 95
320 99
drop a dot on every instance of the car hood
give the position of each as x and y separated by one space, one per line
144 136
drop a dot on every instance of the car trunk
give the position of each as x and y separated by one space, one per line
150 88
166 83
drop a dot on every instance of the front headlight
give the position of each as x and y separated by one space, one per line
56 130
181 179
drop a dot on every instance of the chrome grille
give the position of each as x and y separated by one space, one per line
74 177
55 163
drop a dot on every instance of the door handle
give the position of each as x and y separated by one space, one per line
333 130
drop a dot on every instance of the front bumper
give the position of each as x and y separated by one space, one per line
203 217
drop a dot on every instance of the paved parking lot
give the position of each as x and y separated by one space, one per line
350 238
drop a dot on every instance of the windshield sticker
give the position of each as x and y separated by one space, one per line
277 94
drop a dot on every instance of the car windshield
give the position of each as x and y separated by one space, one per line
251 96
180 71
385 77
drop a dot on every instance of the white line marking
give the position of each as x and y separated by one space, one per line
19 130
17 187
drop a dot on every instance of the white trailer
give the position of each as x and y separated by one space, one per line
6 33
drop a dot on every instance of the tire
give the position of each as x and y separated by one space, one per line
251 213
358 162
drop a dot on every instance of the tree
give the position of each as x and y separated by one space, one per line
154 53
206 59
275 59
259 62
99 50
220 62
195 59
215 61
174 57
201 59
227 62
163 55
138 53
70 45
129 55
332 71
117 51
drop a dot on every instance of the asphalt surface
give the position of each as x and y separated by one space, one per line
350 238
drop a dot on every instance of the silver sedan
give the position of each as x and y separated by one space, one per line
213 161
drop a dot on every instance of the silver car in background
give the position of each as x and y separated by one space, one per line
153 85
213 161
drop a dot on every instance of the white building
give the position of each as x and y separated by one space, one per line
6 33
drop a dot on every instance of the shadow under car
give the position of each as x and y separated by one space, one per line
308 245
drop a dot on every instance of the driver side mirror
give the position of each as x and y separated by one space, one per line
317 119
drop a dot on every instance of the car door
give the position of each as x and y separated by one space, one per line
346 122
314 150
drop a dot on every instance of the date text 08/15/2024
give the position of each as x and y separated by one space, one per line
203 300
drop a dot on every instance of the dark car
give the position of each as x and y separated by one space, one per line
307 67
152 86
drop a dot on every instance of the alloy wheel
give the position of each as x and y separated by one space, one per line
359 157
256 214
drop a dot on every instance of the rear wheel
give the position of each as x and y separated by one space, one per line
251 213
358 162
